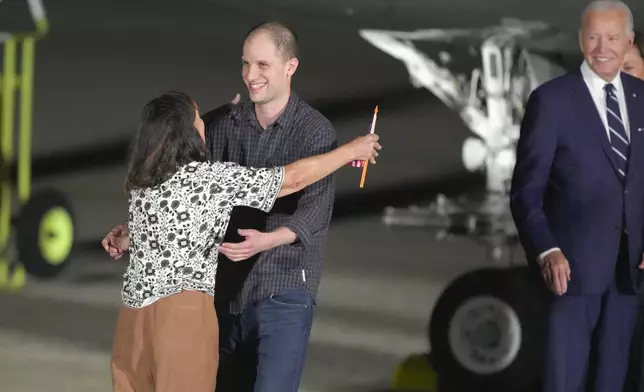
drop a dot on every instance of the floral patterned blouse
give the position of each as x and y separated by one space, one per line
176 227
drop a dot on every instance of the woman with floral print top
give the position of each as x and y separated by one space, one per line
166 336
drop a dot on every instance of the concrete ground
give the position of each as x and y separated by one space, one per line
378 290
374 304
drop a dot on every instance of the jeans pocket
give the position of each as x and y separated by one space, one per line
292 297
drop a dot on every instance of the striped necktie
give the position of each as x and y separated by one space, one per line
618 138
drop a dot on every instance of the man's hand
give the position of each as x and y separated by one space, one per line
117 242
255 242
556 272
642 263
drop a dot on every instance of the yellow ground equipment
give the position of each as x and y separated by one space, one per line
44 226
415 373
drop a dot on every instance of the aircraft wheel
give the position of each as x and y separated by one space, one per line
486 330
12 277
45 234
415 373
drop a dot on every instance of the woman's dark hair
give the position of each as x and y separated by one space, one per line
638 42
165 140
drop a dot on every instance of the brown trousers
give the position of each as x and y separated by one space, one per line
169 346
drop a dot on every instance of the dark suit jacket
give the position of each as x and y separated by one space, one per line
566 191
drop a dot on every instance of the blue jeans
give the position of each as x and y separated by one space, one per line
263 349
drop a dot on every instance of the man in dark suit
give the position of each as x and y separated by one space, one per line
577 200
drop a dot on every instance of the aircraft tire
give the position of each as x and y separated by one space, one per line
486 330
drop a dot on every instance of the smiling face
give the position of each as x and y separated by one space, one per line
266 71
604 40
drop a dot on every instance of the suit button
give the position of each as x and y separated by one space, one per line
626 192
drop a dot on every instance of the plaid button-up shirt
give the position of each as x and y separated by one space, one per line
300 131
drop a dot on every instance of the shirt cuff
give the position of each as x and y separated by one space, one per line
301 230
544 254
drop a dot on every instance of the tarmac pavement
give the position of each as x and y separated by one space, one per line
374 303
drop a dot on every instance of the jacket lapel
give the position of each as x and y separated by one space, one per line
587 113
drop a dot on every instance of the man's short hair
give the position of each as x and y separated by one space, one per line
609 5
283 37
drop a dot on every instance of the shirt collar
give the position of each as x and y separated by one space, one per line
598 83
285 120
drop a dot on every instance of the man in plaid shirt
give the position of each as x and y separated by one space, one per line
265 304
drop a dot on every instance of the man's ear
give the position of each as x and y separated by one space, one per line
291 66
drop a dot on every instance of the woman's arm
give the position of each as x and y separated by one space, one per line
300 174
259 187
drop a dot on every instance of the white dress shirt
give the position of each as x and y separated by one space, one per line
595 86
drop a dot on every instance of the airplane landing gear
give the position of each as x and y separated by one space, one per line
486 327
